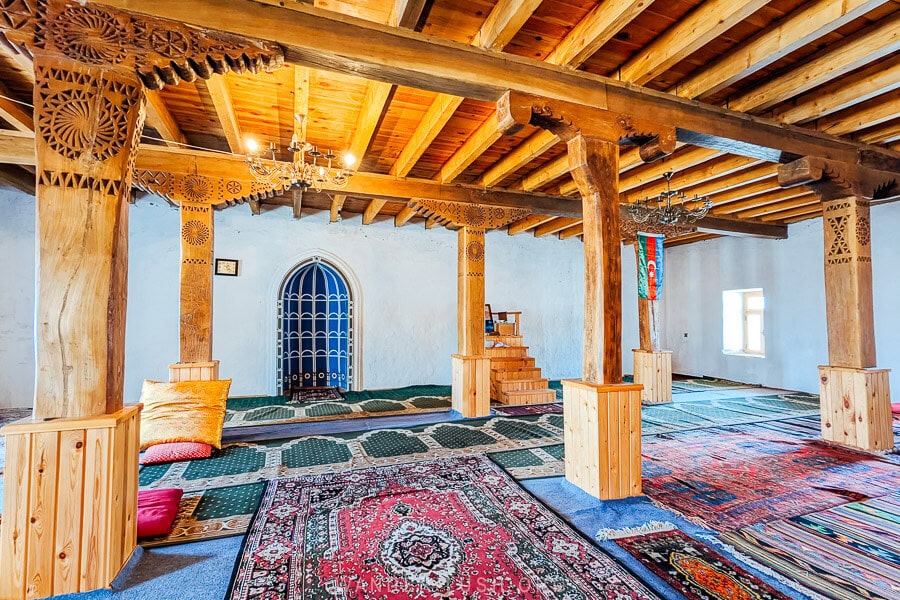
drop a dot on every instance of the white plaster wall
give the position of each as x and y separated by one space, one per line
792 276
16 298
408 302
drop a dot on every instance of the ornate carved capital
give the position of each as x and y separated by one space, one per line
216 191
568 120
833 180
161 52
472 216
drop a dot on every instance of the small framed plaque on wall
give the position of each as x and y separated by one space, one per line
227 266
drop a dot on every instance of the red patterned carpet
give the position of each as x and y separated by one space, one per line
730 480
456 528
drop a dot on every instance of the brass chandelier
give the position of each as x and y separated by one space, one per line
310 167
659 210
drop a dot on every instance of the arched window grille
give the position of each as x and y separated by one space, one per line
314 328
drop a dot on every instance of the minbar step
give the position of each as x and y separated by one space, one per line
509 340
514 385
527 397
510 374
511 363
508 351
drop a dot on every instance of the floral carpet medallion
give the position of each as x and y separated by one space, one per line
456 527
695 570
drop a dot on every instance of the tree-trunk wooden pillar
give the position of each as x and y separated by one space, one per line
471 394
70 497
855 397
71 483
195 361
652 366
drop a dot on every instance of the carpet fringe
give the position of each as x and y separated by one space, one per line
624 532
752 563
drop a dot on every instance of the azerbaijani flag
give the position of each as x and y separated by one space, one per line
650 266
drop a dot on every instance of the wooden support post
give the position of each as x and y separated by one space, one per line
652 366
471 368
197 230
855 397
603 438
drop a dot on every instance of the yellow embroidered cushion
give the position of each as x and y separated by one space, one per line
185 411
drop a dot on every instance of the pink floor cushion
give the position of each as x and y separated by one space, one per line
157 510
175 451
895 408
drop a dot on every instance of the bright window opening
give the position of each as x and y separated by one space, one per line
743 330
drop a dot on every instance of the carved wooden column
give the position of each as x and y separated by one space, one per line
70 492
652 365
855 397
602 415
195 360
471 365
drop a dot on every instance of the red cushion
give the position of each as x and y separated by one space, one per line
175 451
895 408
157 510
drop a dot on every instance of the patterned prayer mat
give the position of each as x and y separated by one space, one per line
851 552
694 569
725 481
271 410
219 491
449 528
315 394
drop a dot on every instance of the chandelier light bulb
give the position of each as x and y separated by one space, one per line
349 160
252 146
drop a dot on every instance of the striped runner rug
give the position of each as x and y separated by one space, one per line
851 552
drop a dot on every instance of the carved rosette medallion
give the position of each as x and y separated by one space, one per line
475 251
195 233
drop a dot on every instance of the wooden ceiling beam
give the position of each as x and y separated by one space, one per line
573 231
753 195
406 213
372 210
297 203
160 119
17 178
844 93
813 206
876 111
527 224
776 207
217 88
885 134
873 43
554 169
806 24
337 203
339 43
502 23
19 116
554 226
521 155
689 238
596 29
705 23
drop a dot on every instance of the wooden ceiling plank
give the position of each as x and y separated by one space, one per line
301 101
322 39
596 29
217 87
160 119
876 111
572 231
527 224
500 23
705 23
808 23
885 134
775 207
814 206
844 93
17 115
871 44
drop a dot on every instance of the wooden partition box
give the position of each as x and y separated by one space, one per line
603 438
856 407
196 371
69 504
471 395
653 370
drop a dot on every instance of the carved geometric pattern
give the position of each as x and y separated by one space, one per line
475 251
477 216
195 261
233 187
75 121
196 188
839 246
109 187
195 233
863 231
162 52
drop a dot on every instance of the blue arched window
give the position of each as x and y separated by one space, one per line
314 328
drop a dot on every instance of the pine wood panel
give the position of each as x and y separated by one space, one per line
653 370
195 371
856 407
70 496
603 438
471 392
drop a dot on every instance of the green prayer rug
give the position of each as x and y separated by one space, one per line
272 410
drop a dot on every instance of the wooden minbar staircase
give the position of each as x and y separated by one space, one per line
514 377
